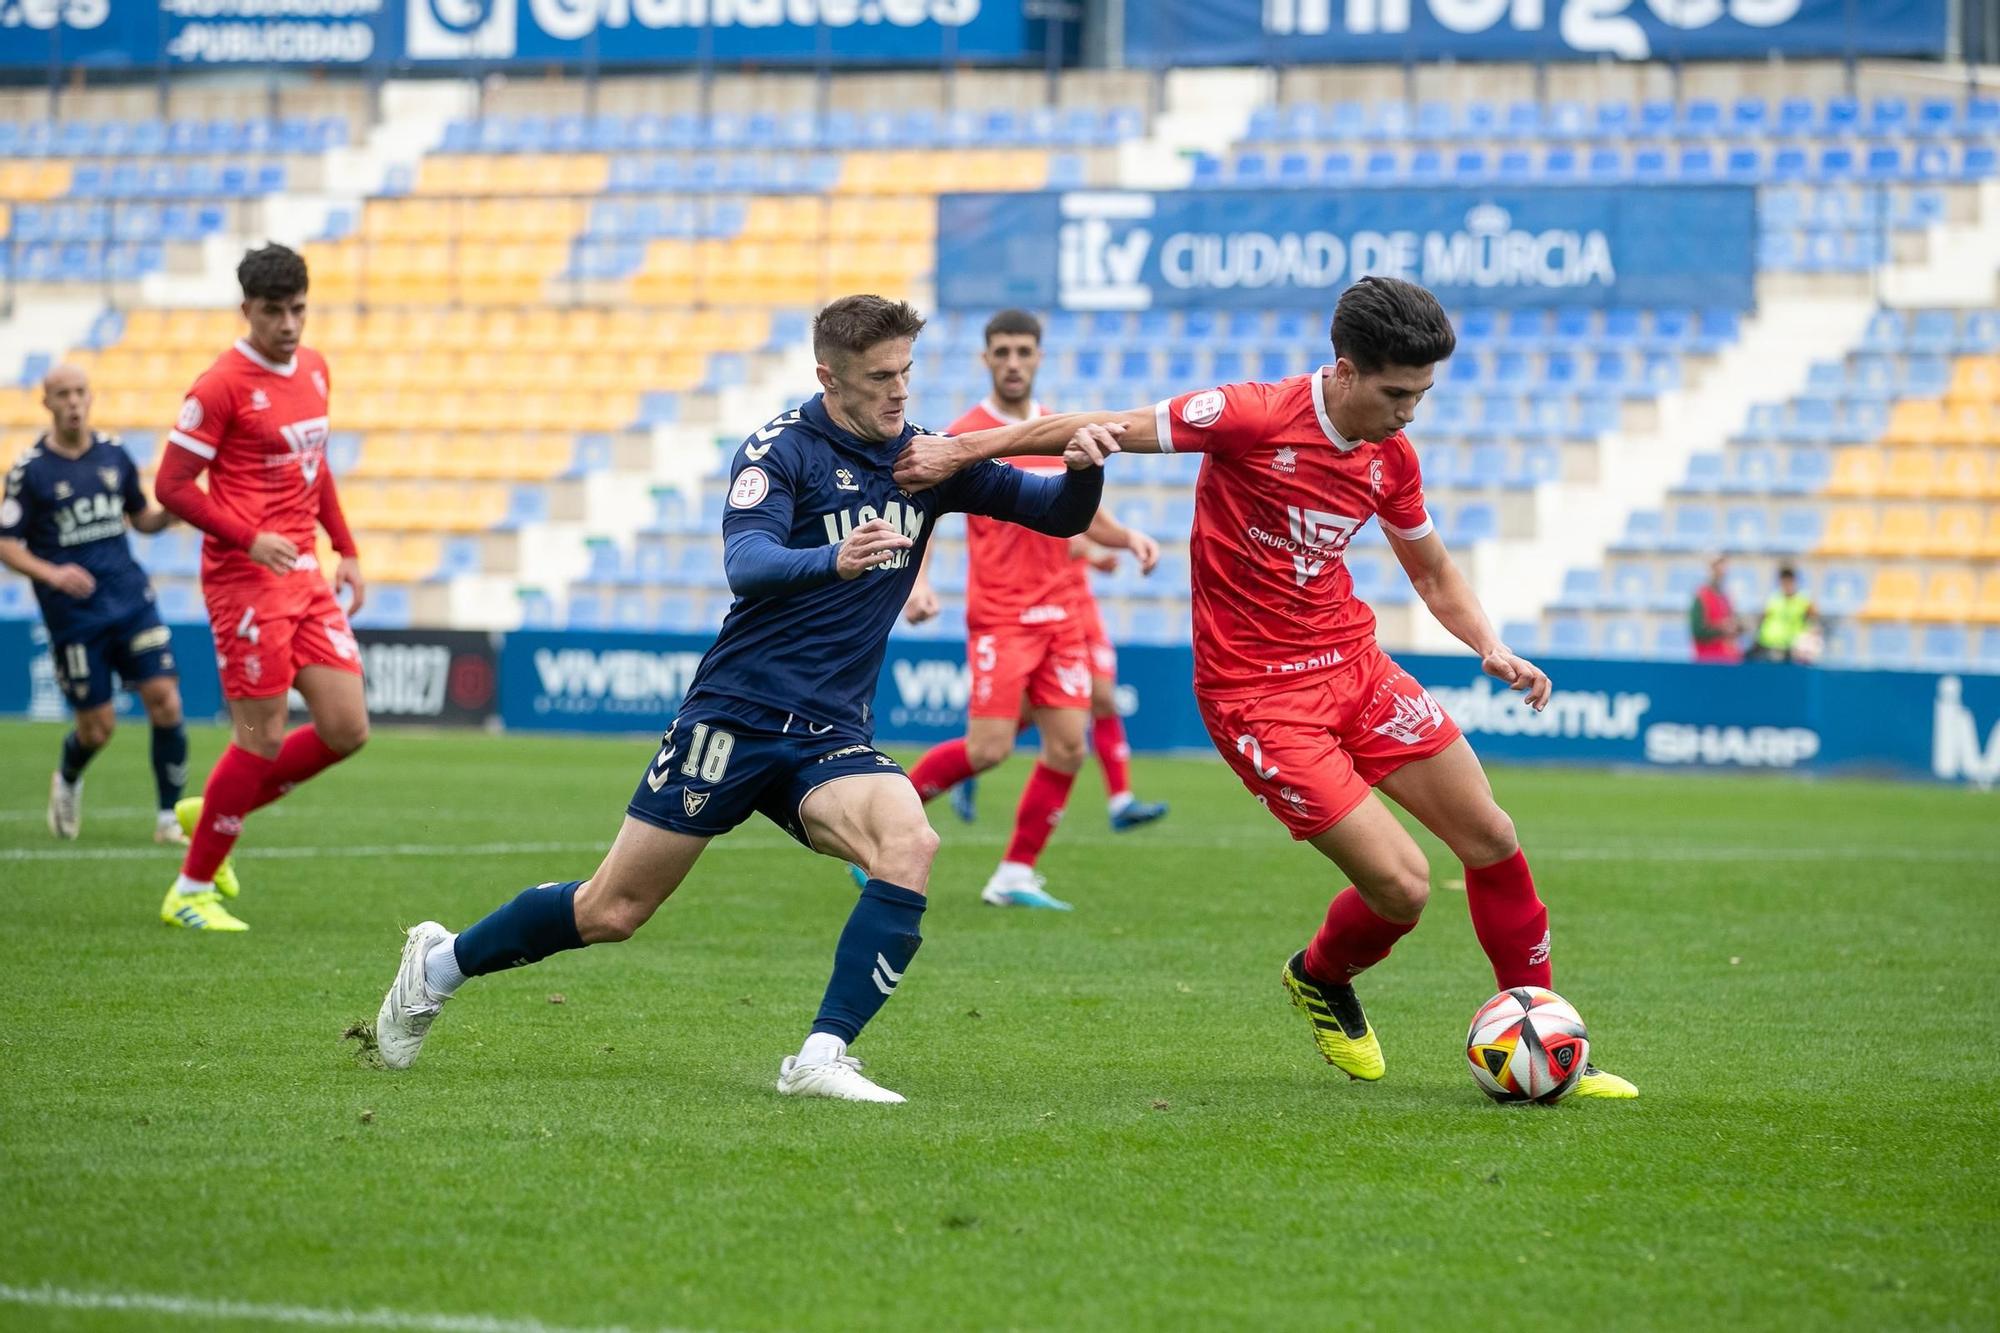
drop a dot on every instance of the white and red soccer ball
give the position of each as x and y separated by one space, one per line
1527 1045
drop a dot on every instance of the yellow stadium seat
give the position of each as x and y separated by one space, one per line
1896 594
1850 530
1949 594
1955 530
1910 472
1915 421
1986 605
1964 474
1975 379
1905 530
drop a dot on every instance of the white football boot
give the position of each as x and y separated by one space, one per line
65 807
1017 886
840 1078
410 1007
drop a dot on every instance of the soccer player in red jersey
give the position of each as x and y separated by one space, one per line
1028 617
1298 697
256 420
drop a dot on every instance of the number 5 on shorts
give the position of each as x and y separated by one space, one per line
708 753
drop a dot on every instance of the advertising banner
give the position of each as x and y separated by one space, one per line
1254 32
28 686
1119 250
432 677
143 34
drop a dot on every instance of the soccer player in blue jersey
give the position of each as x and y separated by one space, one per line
821 548
62 524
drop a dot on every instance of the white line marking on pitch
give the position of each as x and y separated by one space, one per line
1190 840
186 1307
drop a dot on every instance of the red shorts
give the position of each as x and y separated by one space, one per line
266 632
1310 754
1050 664
1103 657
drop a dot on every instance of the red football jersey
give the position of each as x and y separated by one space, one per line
1017 576
1280 496
262 427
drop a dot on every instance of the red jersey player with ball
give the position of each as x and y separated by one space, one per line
256 420
1297 695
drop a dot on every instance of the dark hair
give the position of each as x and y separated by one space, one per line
1787 572
853 324
273 273
1014 321
1388 322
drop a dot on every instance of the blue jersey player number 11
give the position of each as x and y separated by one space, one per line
821 547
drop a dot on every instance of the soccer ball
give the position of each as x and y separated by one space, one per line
1527 1045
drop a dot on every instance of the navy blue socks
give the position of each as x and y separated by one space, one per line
76 756
876 945
170 763
538 922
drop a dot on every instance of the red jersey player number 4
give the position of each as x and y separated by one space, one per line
1294 691
260 429
1024 631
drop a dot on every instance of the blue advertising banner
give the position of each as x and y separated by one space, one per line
1641 714
149 33
28 686
1286 32
114 34
1115 250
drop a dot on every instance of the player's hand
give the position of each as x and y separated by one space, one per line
929 459
72 580
347 578
869 546
1090 446
274 553
1101 559
922 604
1521 676
1144 549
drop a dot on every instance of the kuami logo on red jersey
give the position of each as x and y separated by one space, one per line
1204 409
319 382
750 489
190 416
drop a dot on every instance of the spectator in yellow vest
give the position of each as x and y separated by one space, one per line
1790 631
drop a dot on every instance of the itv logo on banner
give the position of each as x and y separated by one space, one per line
1114 250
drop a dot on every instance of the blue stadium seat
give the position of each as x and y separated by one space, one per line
1842 591
1569 636
1705 472
1798 530
1629 588
1888 645
1700 118
1693 529
1623 636
1582 590
1746 528
1672 642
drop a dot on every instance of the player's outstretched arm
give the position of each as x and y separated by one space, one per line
1108 532
928 459
1443 586
153 518
74 580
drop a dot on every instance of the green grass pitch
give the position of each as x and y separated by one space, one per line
1115 1120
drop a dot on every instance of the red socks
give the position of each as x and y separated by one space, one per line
1041 808
1352 939
231 793
1107 737
1511 921
942 768
301 756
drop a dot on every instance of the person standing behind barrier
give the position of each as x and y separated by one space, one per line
1790 630
1712 621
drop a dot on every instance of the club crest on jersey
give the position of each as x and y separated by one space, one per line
1285 460
308 441
693 801
191 414
63 491
1375 476
109 476
319 382
844 479
1416 718
259 400
1204 409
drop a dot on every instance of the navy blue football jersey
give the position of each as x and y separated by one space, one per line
808 483
71 511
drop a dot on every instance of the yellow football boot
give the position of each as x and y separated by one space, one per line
1340 1029
188 812
198 911
1596 1083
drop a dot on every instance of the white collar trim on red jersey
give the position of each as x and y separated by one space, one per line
992 409
275 367
1334 437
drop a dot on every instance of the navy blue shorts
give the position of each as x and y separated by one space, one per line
722 761
138 648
